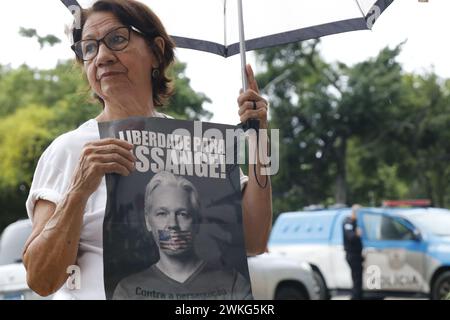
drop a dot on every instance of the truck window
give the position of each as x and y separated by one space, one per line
393 229
379 227
372 223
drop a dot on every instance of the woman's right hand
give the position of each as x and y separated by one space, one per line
54 241
98 158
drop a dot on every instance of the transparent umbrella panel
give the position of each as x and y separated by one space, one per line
212 25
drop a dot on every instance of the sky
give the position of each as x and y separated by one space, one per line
422 25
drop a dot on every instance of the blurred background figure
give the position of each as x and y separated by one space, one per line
353 251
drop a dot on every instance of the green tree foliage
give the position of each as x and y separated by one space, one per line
23 136
289 82
360 133
49 39
185 103
420 131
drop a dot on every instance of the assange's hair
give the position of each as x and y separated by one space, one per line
165 178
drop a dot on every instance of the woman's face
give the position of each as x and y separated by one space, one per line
118 75
171 219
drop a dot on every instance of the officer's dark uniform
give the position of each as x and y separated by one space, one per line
353 250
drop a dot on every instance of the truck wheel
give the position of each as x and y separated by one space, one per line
441 286
320 287
290 292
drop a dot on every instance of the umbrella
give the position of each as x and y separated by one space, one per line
217 26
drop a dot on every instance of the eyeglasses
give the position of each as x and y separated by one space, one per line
115 40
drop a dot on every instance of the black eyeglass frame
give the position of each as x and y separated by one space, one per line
98 41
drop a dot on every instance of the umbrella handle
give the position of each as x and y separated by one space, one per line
250 123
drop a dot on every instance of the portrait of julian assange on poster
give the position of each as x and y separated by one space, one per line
173 227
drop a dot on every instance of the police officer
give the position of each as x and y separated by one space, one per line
353 250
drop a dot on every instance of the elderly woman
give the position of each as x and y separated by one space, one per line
124 51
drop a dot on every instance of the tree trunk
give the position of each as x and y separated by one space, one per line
440 189
341 174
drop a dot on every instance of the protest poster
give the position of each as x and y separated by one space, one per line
173 227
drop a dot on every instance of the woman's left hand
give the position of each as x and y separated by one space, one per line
251 104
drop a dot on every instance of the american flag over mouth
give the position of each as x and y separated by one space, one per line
174 240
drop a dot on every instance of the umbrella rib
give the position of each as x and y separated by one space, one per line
360 9
301 35
225 22
272 40
201 45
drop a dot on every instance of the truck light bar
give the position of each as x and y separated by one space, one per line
407 203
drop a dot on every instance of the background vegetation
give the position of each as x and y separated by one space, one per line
359 133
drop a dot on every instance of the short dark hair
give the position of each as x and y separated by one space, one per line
136 14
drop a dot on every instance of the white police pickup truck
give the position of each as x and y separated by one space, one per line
272 276
407 251
13 284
